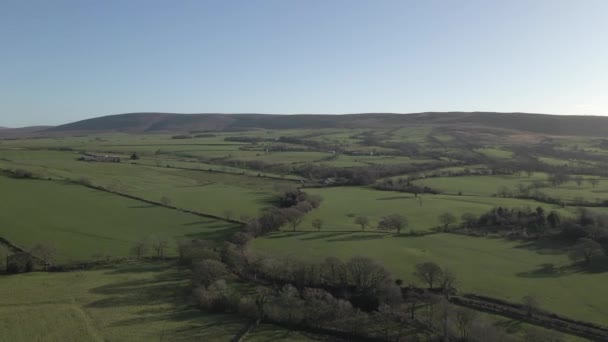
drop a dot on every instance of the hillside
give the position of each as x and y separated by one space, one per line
6 132
170 122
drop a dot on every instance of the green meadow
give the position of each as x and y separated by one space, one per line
127 302
341 205
490 266
81 222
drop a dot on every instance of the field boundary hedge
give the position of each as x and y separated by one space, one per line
539 317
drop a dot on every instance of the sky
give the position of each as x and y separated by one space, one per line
62 61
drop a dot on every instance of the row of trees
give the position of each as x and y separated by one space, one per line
354 298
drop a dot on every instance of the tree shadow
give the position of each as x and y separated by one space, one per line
416 234
542 246
546 270
283 235
597 265
358 237
195 223
321 236
393 198
511 326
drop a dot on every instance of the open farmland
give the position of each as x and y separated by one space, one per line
318 181
489 266
81 222
342 205
132 302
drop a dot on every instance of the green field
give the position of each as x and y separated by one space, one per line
493 185
133 302
81 222
217 177
341 205
207 192
490 266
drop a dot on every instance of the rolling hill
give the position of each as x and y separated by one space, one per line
170 122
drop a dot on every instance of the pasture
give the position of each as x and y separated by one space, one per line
210 192
489 266
127 302
80 222
342 205
215 176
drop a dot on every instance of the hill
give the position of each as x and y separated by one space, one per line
6 132
171 122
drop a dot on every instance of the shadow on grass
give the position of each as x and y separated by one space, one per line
283 235
164 287
140 267
393 198
542 246
357 237
320 236
143 206
597 265
511 326
546 270
195 223
159 299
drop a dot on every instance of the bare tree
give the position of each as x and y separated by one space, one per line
159 245
578 179
468 219
428 272
44 252
586 249
206 272
594 182
448 282
165 200
181 245
366 274
317 223
293 216
393 222
530 304
447 219
363 221
140 248
464 319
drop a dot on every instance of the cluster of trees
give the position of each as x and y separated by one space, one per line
158 245
362 175
40 257
20 174
587 232
523 221
349 299
532 191
292 205
404 185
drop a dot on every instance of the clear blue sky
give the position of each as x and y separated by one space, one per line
62 61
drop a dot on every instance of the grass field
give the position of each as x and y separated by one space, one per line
80 221
143 302
478 185
491 185
208 192
132 302
341 205
494 267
